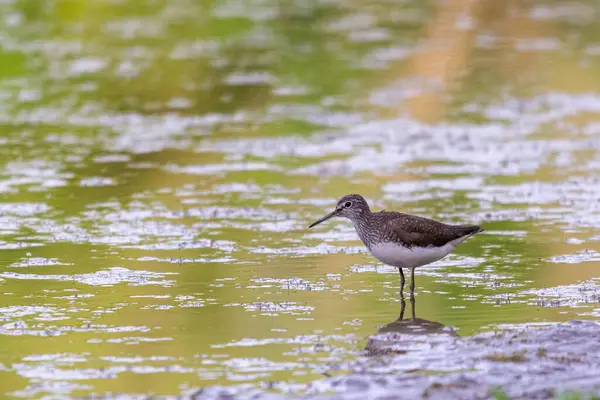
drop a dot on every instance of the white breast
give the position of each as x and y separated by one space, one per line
397 255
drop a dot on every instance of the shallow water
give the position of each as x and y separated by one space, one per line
160 163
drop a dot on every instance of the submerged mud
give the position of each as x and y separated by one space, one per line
423 359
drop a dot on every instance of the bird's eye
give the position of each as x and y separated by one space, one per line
348 204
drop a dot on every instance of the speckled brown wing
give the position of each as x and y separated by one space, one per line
412 230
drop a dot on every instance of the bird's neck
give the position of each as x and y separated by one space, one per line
361 225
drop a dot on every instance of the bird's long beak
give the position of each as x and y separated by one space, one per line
325 218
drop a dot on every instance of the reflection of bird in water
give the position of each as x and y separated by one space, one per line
391 339
414 325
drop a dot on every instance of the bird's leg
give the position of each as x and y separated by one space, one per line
412 306
402 281
402 308
412 282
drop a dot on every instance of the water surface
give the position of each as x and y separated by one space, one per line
160 162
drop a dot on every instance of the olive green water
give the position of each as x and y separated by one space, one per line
160 162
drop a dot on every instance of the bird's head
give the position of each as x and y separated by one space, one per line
351 206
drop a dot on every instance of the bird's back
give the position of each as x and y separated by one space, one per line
413 230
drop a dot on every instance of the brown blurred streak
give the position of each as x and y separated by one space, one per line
447 50
511 22
445 53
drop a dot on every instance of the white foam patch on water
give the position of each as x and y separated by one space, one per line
112 158
86 66
275 309
579 191
223 245
307 250
473 183
274 147
137 212
29 320
581 294
301 339
288 284
40 174
48 371
577 258
209 169
97 181
181 260
57 357
278 226
134 133
379 269
21 311
44 387
250 78
17 245
236 187
23 209
109 277
38 262
237 213
518 234
387 146
259 12
136 231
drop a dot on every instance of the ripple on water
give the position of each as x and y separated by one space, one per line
275 309
43 387
581 294
304 250
17 245
23 209
109 277
289 284
32 321
237 213
210 169
576 258
38 262
299 339
97 181
223 245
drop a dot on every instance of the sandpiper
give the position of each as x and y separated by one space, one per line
400 240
